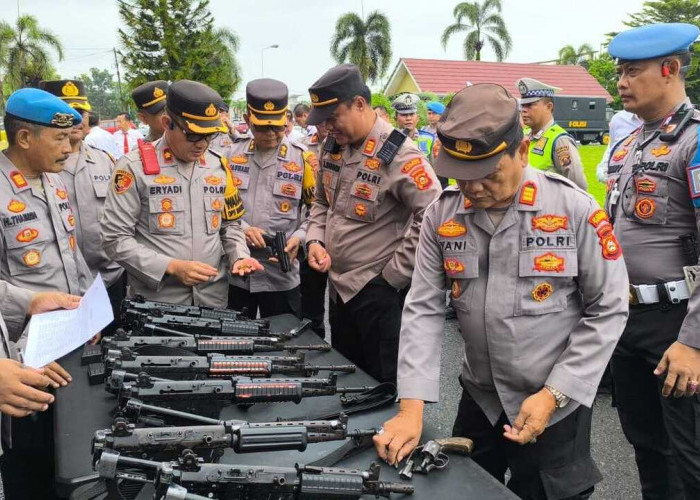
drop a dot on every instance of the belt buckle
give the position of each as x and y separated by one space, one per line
633 298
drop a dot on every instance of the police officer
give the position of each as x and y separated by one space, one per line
371 193
86 174
173 209
653 199
551 147
434 113
276 182
23 392
406 107
39 246
150 103
539 286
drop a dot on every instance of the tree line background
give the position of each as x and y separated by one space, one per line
175 39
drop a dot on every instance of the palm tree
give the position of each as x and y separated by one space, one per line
568 54
24 51
366 44
483 24
226 44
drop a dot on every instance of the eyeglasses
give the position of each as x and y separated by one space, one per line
267 128
192 137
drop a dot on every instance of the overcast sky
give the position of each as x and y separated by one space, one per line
303 29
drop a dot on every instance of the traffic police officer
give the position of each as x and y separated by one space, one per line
39 248
551 147
540 289
86 174
275 178
654 201
173 210
150 103
406 107
371 193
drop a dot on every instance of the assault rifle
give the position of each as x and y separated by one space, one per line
168 324
140 304
241 436
190 478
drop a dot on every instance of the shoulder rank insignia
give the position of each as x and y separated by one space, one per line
451 229
18 179
549 262
369 147
467 203
542 292
283 151
550 223
391 146
528 193
620 154
168 156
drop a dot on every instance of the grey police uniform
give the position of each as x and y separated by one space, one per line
175 214
271 187
86 175
652 206
39 248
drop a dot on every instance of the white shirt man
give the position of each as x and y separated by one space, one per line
125 138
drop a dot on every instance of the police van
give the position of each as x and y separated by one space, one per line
585 118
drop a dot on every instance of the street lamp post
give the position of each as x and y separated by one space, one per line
262 57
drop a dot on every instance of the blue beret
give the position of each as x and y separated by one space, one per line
436 107
653 40
42 108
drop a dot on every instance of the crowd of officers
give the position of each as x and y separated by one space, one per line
533 267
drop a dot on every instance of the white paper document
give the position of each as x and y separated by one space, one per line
54 334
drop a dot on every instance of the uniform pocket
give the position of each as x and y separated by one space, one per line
546 278
166 215
360 209
213 206
287 189
26 259
101 189
461 272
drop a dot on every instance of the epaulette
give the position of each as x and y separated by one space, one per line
391 146
149 158
104 151
560 178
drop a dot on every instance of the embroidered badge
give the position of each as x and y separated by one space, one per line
292 167
598 217
166 204
164 179
61 193
564 155
463 147
451 229
453 265
528 194
620 154
645 185
168 156
550 223
251 146
369 147
611 247
237 181
215 221
550 263
203 160
289 189
336 156
166 220
467 203
283 151
360 209
71 242
18 179
213 180
629 140
363 190
542 292
217 204
285 207
421 178
662 150
31 258
239 159
123 180
409 165
373 163
27 235
16 206
456 289
645 208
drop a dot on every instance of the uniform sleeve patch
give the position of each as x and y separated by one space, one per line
563 155
122 181
414 168
597 218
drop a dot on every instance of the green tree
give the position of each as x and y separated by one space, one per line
366 44
482 22
174 40
103 92
569 54
604 70
25 53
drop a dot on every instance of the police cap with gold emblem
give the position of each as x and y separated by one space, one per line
406 104
475 130
267 102
71 91
197 105
41 108
532 90
337 85
150 97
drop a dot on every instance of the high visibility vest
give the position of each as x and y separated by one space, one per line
540 155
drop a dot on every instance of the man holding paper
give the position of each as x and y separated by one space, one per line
22 391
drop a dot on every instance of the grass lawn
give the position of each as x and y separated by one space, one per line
591 155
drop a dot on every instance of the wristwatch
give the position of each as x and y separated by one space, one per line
308 244
560 399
